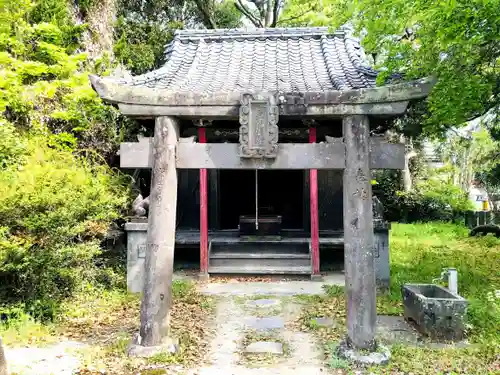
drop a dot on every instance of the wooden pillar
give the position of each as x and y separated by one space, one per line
313 189
202 138
159 261
358 235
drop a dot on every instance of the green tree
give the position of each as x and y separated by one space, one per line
299 13
44 77
270 13
57 195
144 28
467 155
455 41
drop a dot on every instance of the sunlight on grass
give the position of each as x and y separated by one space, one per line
24 330
420 251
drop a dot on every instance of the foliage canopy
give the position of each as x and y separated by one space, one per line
455 41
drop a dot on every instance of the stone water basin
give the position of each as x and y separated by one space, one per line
435 311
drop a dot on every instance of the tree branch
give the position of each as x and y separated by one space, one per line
276 12
268 16
294 17
247 13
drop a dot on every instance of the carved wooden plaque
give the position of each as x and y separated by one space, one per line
259 130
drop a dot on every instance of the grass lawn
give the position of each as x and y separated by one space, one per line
418 254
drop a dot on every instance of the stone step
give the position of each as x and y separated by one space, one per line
279 370
260 247
265 323
227 254
264 262
265 347
261 270
260 258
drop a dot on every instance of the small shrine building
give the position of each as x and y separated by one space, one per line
261 156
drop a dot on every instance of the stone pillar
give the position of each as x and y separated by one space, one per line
159 258
358 235
381 255
3 361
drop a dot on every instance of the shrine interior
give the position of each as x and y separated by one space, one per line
279 192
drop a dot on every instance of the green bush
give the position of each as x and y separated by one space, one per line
57 196
12 148
429 200
55 209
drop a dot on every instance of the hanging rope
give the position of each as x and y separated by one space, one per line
256 199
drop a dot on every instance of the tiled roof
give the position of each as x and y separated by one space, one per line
284 60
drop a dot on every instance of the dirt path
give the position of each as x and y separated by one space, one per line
265 323
58 359
248 314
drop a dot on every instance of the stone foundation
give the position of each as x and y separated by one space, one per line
137 233
136 252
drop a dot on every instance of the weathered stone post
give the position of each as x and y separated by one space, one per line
159 259
358 237
3 361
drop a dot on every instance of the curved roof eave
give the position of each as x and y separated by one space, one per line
119 93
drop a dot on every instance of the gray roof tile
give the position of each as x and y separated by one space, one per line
284 60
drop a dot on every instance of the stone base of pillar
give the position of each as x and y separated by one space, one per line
3 361
380 356
203 276
169 345
317 277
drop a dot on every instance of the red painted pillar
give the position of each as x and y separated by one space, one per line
313 184
202 138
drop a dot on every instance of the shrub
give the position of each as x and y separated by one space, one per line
55 208
12 148
431 199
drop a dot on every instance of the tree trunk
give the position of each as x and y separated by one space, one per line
269 12
207 13
407 179
157 297
100 18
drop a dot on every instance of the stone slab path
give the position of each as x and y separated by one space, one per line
277 288
248 325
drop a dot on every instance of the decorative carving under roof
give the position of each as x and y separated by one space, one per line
259 129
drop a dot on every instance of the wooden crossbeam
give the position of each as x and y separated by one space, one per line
331 155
